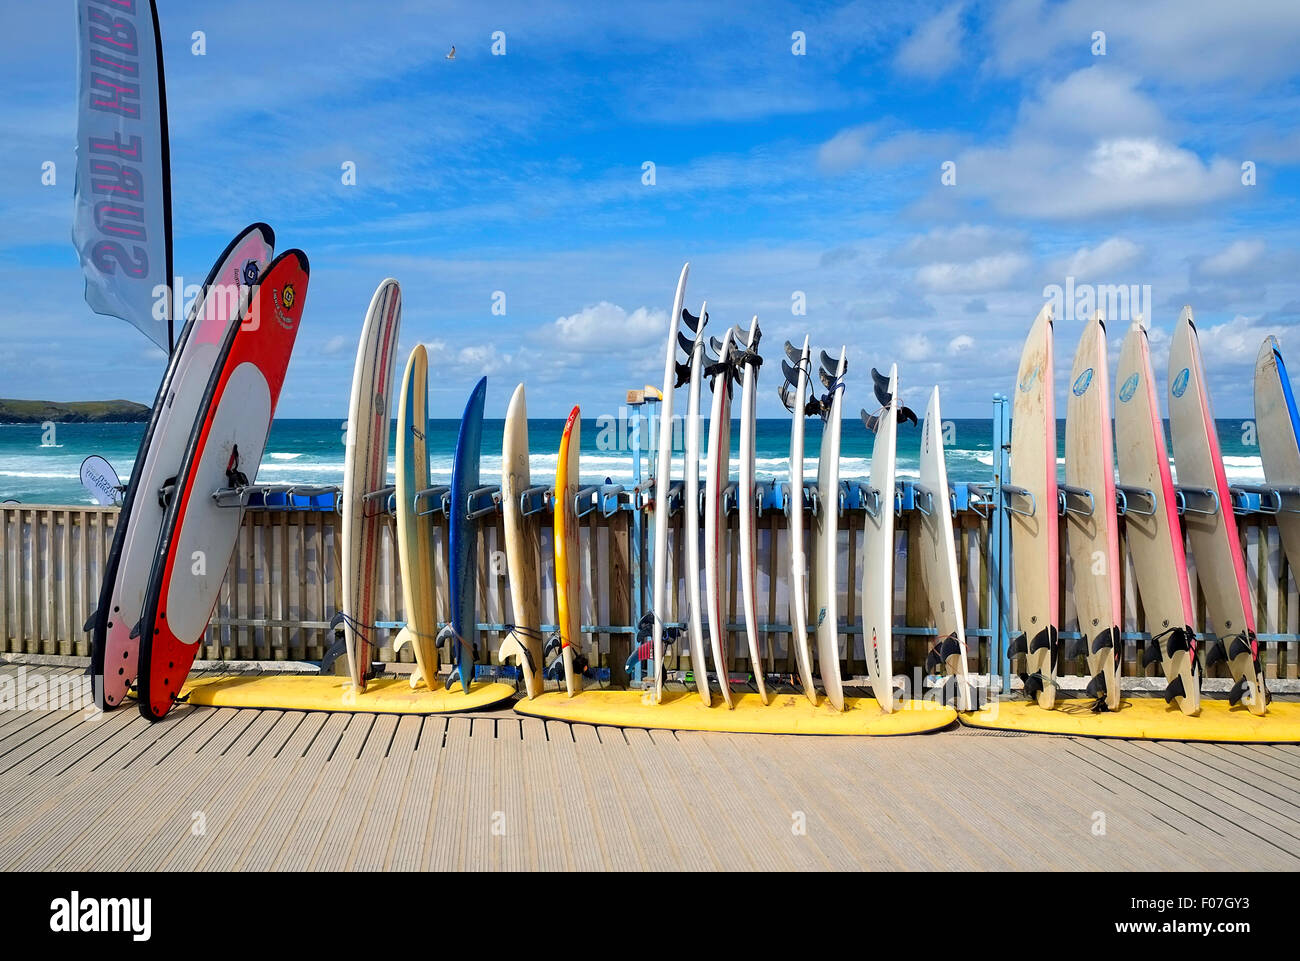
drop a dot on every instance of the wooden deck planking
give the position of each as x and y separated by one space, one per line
251 790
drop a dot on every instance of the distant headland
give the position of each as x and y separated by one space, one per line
75 412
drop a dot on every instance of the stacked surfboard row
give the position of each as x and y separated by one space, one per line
183 507
730 367
1152 502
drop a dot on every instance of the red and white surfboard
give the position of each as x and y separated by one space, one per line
115 644
198 535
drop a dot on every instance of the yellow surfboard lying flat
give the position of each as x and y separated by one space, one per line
312 692
1146 718
785 714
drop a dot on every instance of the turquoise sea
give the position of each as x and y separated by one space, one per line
42 466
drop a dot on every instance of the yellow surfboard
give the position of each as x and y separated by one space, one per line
568 584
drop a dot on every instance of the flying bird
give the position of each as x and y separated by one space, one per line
452 55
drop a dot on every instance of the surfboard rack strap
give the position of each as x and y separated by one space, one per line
431 500
383 497
611 499
482 501
532 500
730 496
1010 491
922 498
980 499
1182 494
1261 498
587 499
1122 494
273 497
1066 491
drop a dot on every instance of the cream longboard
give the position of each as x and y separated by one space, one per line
1152 531
693 370
365 470
1034 513
1092 525
794 394
937 551
747 362
663 481
415 521
717 473
878 541
1277 424
524 642
1211 526
825 607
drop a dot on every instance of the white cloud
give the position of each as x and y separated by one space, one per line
1237 257
847 149
935 47
961 344
604 325
984 273
1112 254
334 344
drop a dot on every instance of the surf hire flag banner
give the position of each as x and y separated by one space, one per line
121 223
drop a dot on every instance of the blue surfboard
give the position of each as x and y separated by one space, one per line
463 539
1286 390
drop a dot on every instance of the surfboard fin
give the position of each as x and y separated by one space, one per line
906 415
332 653
1017 645
786 393
1216 653
417 676
1040 642
1238 692
1151 654
512 647
90 621
135 631
685 343
830 364
692 321
828 380
1106 639
1097 686
1174 689
881 385
1033 684
716 344
791 373
1239 647
1179 640
870 421
794 353
404 637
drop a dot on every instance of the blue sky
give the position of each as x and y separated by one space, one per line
775 173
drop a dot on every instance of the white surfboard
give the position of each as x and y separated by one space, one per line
878 543
1277 423
1034 518
717 474
825 609
748 360
1211 526
365 470
415 521
691 501
1152 531
1091 522
663 481
524 643
794 394
936 545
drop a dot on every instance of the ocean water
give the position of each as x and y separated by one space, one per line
42 467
